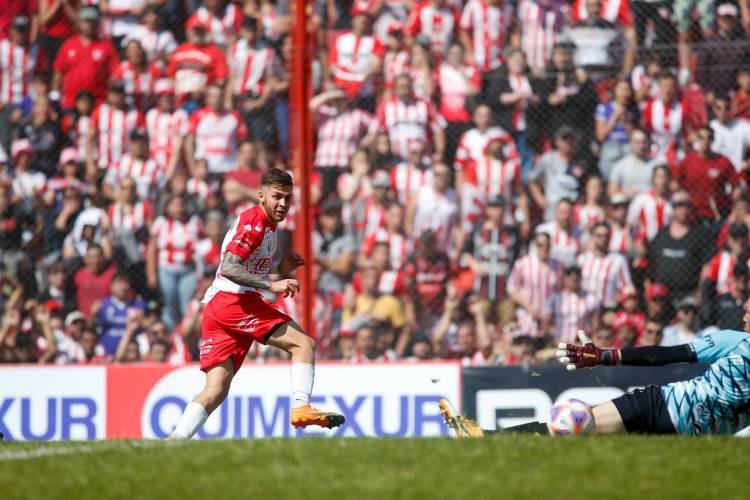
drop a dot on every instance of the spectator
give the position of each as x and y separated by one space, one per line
137 165
57 288
170 260
85 61
633 174
617 13
625 333
740 104
166 127
93 351
111 125
651 211
208 249
435 24
14 221
731 135
77 123
196 64
138 75
708 193
484 27
664 118
250 64
115 312
533 279
653 334
684 18
604 273
435 207
43 132
718 271
366 346
393 233
591 207
406 117
27 181
214 134
683 330
472 338
57 22
490 251
679 250
243 182
565 235
131 219
573 308
541 23
559 173
396 57
221 18
426 272
157 43
334 249
615 121
365 299
622 240
629 310
369 213
726 311
473 143
656 301
93 280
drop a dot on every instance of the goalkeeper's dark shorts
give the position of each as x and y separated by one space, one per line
644 411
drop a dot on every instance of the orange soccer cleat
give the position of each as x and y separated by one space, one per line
307 415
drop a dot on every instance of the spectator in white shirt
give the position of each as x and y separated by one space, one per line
731 135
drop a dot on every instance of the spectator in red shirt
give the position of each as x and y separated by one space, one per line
56 23
85 61
740 105
93 280
706 176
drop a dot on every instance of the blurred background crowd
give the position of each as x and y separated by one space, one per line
489 176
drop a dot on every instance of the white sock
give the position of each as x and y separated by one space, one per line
303 375
192 420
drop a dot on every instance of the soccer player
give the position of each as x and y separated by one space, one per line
716 402
235 313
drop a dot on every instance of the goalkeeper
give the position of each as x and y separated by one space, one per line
716 402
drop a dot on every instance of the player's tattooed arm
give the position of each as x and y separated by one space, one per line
232 268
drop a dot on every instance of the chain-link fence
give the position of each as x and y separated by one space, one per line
489 176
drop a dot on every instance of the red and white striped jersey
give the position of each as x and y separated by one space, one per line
664 123
176 241
565 244
163 128
540 30
519 83
249 66
339 134
351 56
615 11
223 26
437 212
404 121
436 25
154 43
201 189
77 128
369 217
112 129
605 276
207 255
216 137
400 246
649 213
17 65
147 174
719 270
253 238
138 82
473 145
125 218
535 281
585 216
488 25
573 311
493 176
454 90
406 181
638 81
394 64
621 240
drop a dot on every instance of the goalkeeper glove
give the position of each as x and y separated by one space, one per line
586 355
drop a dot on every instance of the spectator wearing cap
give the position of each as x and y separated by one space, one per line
396 117
250 63
490 251
93 280
625 333
531 284
341 129
727 309
567 94
614 122
426 272
43 132
726 49
369 212
683 330
167 126
649 212
731 135
139 165
708 177
679 251
517 106
138 75
214 134
573 308
559 173
656 301
196 63
14 221
84 62
158 43
111 125
27 181
334 249
633 173
604 273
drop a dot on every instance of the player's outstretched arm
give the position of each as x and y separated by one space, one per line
233 269
588 355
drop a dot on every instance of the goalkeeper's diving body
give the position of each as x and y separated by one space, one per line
716 402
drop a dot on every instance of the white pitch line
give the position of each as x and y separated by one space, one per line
78 449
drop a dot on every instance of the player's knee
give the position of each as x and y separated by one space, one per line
306 343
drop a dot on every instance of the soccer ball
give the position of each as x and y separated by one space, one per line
570 417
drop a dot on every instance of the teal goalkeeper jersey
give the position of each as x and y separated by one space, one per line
717 402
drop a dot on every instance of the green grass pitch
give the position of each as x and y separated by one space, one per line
499 467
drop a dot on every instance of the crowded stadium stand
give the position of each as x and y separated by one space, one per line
489 176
